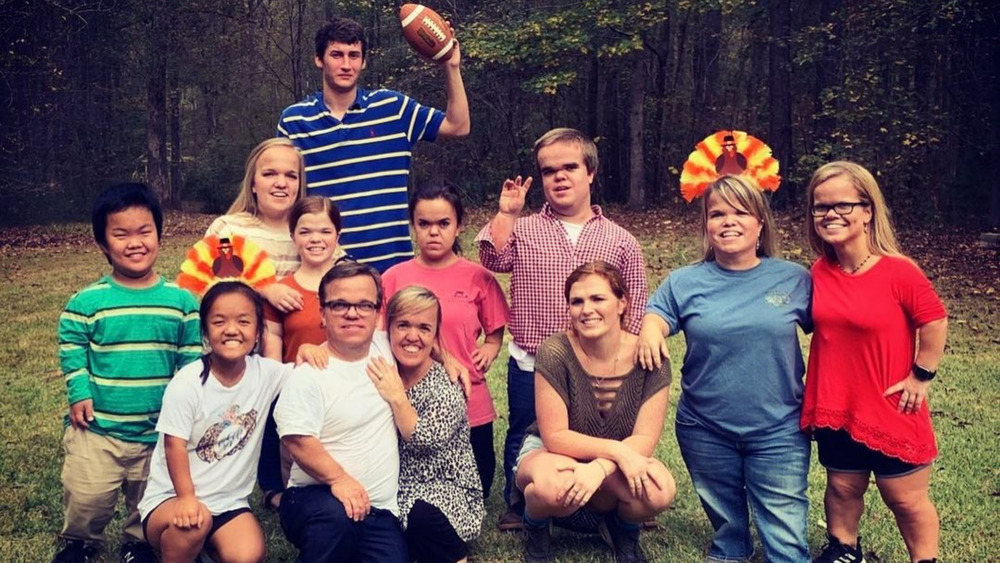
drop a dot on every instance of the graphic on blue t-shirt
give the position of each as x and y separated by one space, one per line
228 436
776 298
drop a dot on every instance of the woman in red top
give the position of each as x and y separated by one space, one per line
880 331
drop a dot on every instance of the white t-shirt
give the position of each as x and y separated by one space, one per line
340 406
223 427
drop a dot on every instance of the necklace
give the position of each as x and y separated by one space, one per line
856 268
597 380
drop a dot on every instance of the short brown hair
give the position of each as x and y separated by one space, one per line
313 204
567 135
606 271
348 269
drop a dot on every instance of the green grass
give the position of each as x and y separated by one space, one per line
35 284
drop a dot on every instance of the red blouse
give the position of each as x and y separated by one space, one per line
864 342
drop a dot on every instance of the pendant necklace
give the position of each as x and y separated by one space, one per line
857 268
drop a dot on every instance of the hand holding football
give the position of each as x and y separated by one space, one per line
427 32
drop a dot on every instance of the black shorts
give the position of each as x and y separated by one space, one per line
431 537
218 521
840 453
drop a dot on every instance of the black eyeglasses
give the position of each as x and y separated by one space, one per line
840 208
340 307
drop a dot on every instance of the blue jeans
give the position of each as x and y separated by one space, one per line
521 408
269 463
769 474
315 522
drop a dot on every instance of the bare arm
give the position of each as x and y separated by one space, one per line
652 345
512 196
649 423
273 341
385 377
484 355
457 121
309 454
186 511
931 339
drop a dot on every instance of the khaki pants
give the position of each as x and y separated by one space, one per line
96 468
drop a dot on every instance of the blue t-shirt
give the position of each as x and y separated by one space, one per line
362 162
742 372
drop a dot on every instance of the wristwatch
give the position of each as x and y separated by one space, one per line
923 374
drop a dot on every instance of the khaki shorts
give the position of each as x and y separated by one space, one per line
95 469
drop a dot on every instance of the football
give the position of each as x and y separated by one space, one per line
426 32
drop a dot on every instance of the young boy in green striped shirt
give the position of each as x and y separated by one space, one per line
121 339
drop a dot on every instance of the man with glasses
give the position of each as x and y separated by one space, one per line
340 504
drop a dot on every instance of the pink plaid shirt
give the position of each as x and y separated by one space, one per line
540 256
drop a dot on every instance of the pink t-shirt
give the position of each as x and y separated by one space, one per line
472 303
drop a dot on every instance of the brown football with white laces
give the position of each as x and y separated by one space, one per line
426 32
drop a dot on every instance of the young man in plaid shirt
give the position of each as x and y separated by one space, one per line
540 251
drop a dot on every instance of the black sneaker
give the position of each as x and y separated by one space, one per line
75 551
138 552
836 552
537 544
624 543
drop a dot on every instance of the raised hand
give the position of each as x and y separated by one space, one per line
512 195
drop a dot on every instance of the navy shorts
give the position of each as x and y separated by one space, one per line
218 521
840 453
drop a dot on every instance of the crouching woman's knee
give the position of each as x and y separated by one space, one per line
661 492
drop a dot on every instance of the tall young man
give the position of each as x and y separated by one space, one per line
358 143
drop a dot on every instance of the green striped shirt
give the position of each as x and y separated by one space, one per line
120 346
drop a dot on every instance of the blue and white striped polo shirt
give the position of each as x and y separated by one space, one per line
363 163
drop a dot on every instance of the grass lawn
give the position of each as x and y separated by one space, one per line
41 267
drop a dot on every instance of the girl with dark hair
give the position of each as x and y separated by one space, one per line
204 464
472 303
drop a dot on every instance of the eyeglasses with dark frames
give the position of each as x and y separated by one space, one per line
341 307
840 208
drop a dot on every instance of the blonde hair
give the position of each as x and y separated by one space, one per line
412 299
246 200
881 236
740 193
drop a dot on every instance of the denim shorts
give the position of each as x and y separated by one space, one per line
530 444
839 452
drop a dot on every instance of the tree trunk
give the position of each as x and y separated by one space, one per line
779 86
705 70
173 200
636 125
660 115
157 165
828 73
593 94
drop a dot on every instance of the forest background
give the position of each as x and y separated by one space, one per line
176 92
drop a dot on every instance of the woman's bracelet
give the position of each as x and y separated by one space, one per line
601 465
